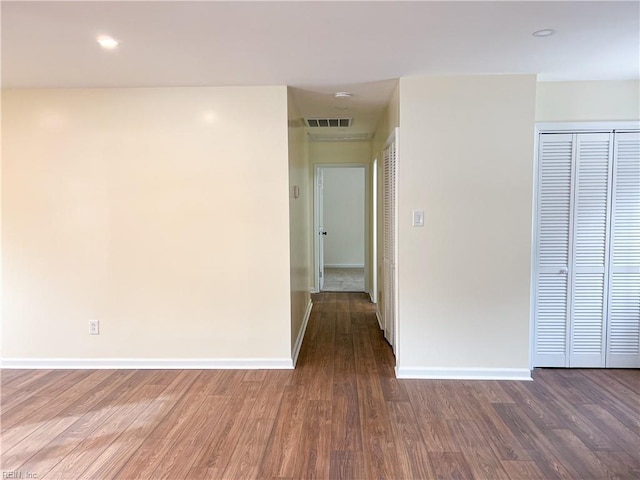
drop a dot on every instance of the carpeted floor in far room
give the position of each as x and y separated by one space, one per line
343 279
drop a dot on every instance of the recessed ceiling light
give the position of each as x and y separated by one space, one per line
342 94
544 33
107 42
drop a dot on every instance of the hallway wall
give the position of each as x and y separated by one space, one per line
299 221
466 159
389 121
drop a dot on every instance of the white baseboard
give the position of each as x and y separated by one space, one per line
344 265
148 363
379 319
464 373
371 298
303 329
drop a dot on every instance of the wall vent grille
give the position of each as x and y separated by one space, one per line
328 122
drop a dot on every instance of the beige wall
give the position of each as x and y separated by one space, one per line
163 213
390 119
588 101
339 152
299 220
465 158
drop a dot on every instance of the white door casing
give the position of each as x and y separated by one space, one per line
373 291
318 222
320 232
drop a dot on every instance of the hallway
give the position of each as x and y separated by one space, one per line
341 414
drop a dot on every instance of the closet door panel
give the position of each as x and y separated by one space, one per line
623 339
553 241
588 267
389 252
588 321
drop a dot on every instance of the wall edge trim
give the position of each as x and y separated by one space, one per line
148 363
464 373
303 329
379 319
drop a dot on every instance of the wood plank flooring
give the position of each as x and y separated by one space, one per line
341 414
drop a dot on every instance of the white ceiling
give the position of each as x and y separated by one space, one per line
317 47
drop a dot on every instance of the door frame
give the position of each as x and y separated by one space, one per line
373 290
367 221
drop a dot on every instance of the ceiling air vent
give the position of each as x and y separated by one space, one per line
328 122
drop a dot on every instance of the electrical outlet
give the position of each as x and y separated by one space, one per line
94 327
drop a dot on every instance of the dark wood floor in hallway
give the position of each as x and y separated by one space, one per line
341 415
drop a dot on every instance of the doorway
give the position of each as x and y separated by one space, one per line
341 218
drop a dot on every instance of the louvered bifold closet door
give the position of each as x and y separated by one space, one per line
623 342
553 252
389 241
588 269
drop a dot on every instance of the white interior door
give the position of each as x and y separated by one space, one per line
623 339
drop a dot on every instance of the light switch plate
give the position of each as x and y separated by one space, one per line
418 218
94 327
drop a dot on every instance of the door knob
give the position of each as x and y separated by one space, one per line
324 233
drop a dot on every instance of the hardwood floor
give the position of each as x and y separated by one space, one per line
341 414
